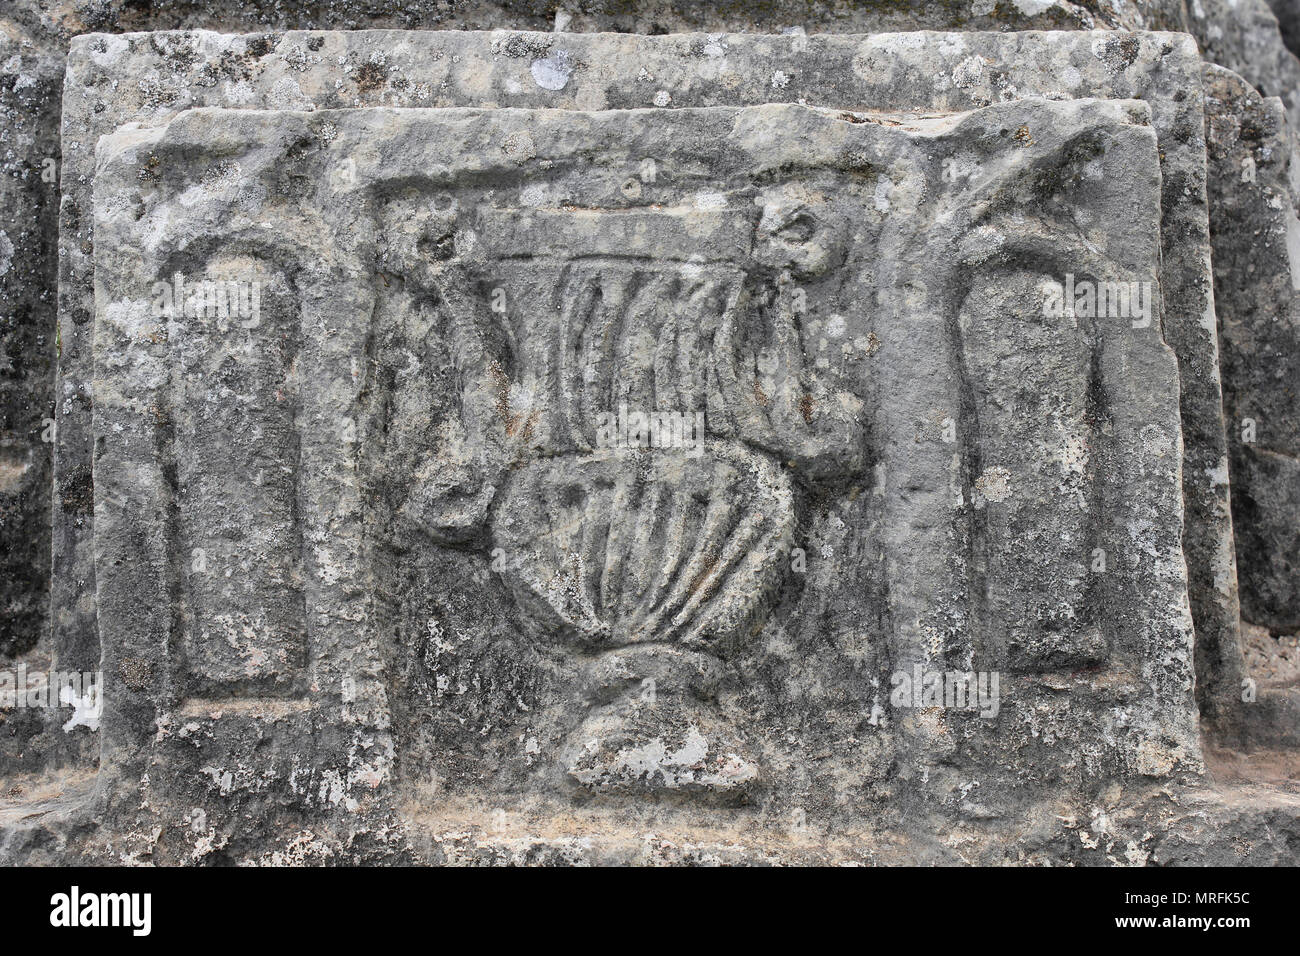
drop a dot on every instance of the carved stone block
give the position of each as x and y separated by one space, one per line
570 457
896 72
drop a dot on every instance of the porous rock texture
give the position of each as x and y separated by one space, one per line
30 84
341 494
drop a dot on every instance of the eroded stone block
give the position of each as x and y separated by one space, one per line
574 457
900 72
1256 236
1257 279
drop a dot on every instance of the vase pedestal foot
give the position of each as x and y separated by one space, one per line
654 730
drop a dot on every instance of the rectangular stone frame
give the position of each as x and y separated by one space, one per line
142 572
887 72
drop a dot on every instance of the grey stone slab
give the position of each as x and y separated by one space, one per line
605 16
148 78
380 518
1256 236
1244 36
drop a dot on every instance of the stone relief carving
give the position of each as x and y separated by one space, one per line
611 399
647 560
877 71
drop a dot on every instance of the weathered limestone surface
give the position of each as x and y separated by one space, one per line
1243 36
30 79
465 592
600 16
1256 236
914 72
1257 276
